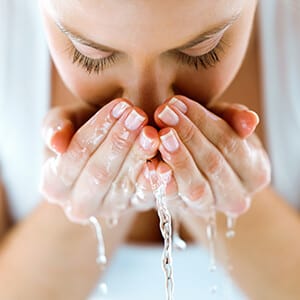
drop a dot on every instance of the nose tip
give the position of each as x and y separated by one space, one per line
148 99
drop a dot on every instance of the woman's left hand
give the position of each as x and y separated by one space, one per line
213 161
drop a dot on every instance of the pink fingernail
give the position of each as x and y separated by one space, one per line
178 104
170 141
145 141
119 109
134 120
168 116
50 133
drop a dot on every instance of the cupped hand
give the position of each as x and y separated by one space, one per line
95 169
215 157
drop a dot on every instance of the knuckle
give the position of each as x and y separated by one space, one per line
188 133
199 192
215 163
180 162
229 145
237 205
240 206
120 141
199 196
99 174
79 148
124 186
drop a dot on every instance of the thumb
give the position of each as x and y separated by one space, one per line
243 120
62 122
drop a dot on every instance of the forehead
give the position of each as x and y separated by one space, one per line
142 21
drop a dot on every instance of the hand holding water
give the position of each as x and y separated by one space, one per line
215 158
98 166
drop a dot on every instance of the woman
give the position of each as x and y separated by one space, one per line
145 65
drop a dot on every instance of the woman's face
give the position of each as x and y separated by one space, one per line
147 51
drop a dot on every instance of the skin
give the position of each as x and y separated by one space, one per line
146 75
146 79
146 64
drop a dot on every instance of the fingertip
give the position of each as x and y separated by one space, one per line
58 137
246 123
149 139
157 112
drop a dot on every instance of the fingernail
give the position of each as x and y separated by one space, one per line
168 116
50 133
170 141
119 109
134 120
145 141
249 120
178 104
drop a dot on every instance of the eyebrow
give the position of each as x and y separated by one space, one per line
200 38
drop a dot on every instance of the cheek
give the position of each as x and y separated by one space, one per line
205 86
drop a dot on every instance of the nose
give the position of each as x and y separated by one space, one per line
149 89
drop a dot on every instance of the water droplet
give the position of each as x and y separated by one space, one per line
112 222
230 233
212 268
178 242
213 289
101 258
103 288
211 235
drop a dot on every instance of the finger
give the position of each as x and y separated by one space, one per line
60 124
193 187
227 190
87 139
51 187
166 175
105 164
243 120
143 198
124 186
246 157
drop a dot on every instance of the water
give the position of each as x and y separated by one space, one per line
230 234
211 235
231 221
101 256
159 191
178 242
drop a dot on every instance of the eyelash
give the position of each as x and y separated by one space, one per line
207 60
91 65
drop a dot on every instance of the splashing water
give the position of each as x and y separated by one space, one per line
230 233
211 235
101 256
178 242
159 191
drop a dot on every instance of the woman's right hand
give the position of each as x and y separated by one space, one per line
102 162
